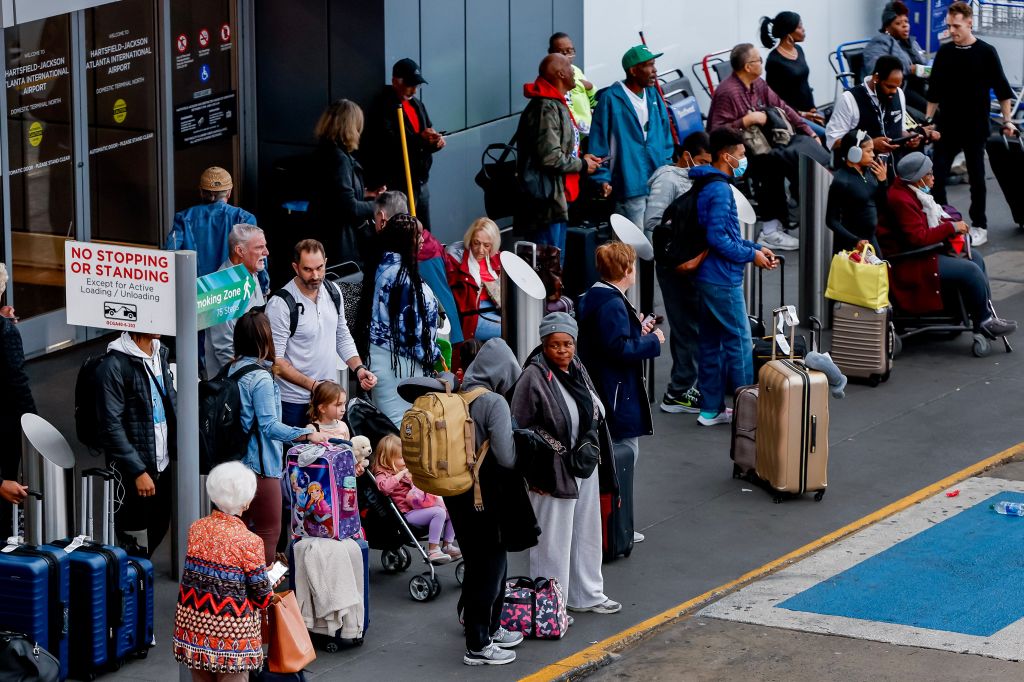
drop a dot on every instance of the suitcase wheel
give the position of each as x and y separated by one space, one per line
332 647
777 499
818 495
874 380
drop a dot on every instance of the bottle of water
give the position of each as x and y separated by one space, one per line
1009 508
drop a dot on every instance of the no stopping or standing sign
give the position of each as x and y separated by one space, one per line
119 287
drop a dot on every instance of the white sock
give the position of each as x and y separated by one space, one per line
771 226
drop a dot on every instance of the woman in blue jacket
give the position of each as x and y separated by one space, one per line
613 346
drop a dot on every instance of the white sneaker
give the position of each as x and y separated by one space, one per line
779 241
506 639
489 655
605 607
638 537
723 417
979 236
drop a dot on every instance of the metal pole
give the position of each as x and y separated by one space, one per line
815 239
405 160
187 469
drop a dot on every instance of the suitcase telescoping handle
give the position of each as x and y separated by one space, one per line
759 294
792 334
34 498
86 521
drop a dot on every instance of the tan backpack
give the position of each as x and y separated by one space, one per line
439 444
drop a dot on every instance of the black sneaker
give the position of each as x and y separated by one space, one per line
688 403
489 655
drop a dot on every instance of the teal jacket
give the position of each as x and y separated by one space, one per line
634 159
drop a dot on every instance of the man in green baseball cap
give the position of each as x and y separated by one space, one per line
638 54
632 119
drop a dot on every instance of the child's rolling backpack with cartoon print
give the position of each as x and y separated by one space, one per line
321 482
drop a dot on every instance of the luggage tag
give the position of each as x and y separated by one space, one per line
13 543
75 544
787 315
309 454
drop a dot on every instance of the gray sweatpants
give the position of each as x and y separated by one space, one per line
570 543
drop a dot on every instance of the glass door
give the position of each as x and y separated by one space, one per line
40 150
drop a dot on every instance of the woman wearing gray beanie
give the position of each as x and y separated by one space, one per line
556 398
912 221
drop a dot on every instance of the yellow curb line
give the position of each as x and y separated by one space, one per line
597 655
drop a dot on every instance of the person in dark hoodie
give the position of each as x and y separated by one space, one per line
135 412
548 143
506 522
15 401
615 343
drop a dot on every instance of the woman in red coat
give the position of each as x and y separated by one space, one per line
474 275
913 220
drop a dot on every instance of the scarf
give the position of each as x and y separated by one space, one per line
934 213
577 384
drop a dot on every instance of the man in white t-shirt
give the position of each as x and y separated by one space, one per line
632 133
307 319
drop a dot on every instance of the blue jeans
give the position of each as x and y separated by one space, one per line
633 208
554 235
488 326
682 309
819 130
726 360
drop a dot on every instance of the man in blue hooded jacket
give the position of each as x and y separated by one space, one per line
631 126
724 342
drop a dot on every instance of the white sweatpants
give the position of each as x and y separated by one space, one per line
570 543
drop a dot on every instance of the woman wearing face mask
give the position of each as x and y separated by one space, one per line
724 340
914 220
786 67
474 276
894 39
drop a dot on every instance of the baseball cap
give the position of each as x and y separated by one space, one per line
638 54
408 71
215 179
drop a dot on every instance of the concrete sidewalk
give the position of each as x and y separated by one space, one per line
942 410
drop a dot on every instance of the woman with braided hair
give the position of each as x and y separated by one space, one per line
404 320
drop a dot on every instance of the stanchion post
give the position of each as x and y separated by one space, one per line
187 346
815 239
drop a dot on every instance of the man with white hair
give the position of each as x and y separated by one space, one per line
247 246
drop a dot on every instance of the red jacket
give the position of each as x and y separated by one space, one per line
464 288
914 281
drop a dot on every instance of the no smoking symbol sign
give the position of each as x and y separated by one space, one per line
182 43
225 33
204 37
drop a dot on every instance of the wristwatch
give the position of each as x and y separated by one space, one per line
356 370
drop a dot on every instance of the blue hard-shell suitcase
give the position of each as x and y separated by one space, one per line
140 599
100 627
331 644
34 590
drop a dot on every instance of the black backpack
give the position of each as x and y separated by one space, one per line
86 419
222 438
294 307
680 239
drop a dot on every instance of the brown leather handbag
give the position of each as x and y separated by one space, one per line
291 648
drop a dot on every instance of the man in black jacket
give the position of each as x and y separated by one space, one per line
381 149
15 400
136 428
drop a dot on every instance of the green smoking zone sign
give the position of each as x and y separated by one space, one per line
223 295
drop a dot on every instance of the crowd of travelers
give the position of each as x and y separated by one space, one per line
582 389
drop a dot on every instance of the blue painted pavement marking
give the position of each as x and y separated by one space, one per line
962 575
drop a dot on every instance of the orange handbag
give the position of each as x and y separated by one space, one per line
291 648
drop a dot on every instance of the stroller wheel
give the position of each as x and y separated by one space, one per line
331 647
391 561
406 559
421 588
437 588
460 571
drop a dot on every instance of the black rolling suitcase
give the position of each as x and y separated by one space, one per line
617 509
1006 156
35 590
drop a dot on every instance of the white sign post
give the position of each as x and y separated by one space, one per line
120 287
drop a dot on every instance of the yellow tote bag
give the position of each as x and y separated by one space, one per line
860 283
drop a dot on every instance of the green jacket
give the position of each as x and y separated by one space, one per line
545 144
583 101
